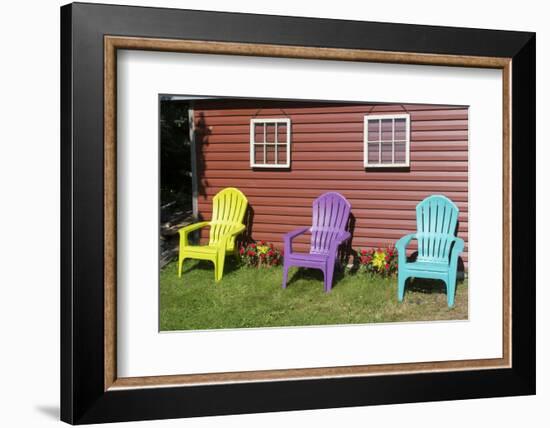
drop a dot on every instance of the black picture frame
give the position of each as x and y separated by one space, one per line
83 398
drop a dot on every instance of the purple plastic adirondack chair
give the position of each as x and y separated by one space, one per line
328 231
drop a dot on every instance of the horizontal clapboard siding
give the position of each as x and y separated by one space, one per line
327 155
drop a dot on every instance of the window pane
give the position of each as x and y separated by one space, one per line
374 154
281 154
258 154
400 128
400 152
270 154
281 133
386 152
270 132
259 133
387 125
374 130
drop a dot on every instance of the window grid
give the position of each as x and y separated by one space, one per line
378 119
265 144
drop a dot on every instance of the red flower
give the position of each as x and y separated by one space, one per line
251 253
270 253
387 266
363 252
262 242
387 257
262 255
364 260
241 250
252 245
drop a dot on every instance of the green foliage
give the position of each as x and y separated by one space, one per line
261 254
175 159
378 261
254 298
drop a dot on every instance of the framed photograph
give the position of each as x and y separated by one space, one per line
265 213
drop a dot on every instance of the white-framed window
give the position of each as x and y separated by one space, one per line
269 143
387 140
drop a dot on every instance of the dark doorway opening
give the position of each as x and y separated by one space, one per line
176 173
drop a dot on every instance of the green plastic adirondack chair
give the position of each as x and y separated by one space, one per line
438 247
229 207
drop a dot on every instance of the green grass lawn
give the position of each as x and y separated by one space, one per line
250 297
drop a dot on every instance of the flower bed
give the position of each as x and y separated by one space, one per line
378 261
260 254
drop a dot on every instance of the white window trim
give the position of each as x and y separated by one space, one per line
368 117
253 123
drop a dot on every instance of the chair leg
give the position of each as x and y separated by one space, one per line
180 266
218 267
328 274
451 289
285 274
401 279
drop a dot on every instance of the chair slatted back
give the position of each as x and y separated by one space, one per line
330 217
229 207
436 219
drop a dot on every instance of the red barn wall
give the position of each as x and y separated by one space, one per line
327 155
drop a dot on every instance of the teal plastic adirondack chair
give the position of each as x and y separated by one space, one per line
438 247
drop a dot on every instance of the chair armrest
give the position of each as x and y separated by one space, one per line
343 236
338 240
293 234
401 247
235 230
184 231
290 236
458 247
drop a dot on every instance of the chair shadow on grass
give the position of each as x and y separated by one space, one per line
432 286
231 264
425 286
311 274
